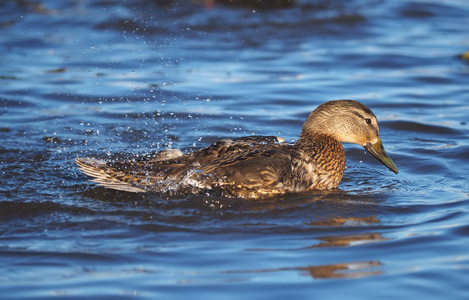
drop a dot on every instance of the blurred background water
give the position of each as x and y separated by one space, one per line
112 78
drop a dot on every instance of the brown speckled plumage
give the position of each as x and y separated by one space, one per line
253 167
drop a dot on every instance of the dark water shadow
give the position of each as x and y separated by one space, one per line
204 213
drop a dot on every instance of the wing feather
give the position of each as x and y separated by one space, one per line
232 165
105 176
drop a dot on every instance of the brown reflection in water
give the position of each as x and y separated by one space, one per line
344 270
336 241
340 270
348 240
339 221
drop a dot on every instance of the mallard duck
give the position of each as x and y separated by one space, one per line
253 167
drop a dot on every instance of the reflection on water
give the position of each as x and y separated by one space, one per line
345 270
341 270
336 241
338 221
343 241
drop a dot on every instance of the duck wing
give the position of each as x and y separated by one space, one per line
219 164
259 172
114 177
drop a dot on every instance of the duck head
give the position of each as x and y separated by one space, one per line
349 121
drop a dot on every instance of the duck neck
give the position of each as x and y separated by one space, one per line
317 143
313 139
326 153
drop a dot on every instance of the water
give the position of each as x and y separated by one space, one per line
126 78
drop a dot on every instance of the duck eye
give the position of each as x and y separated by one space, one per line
368 121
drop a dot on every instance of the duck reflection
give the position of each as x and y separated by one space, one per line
344 270
348 240
340 270
339 221
336 241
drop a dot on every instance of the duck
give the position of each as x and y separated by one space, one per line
253 167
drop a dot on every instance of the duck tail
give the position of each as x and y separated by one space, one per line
107 176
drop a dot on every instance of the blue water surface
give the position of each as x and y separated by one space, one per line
112 79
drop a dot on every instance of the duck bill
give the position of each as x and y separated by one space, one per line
377 150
